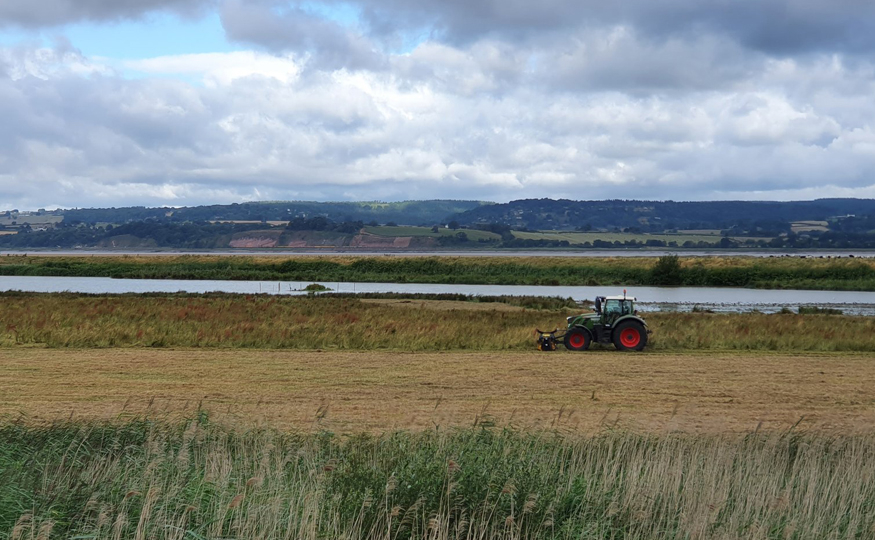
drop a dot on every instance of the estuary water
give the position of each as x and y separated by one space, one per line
649 298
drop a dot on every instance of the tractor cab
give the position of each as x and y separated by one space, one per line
610 308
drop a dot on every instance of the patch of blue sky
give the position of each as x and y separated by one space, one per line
10 37
156 35
412 39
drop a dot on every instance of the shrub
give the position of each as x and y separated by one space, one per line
667 271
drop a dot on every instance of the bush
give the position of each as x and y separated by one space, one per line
814 310
667 271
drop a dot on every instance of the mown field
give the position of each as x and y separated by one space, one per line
352 392
252 416
770 273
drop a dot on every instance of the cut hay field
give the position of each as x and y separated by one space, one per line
374 391
195 417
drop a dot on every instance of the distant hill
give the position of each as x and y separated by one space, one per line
407 212
651 216
423 225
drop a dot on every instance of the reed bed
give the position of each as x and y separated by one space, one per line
263 321
196 480
770 273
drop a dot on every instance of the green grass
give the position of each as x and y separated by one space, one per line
472 234
767 273
582 237
814 310
196 480
312 322
32 219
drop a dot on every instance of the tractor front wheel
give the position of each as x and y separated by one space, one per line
630 336
577 339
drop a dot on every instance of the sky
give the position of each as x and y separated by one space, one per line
186 102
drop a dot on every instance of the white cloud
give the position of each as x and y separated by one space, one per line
534 104
220 68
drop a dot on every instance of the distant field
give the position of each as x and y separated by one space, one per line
33 220
803 226
699 232
581 237
472 234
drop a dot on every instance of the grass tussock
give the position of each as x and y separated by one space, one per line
769 273
263 321
197 480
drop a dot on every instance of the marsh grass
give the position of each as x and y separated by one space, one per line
327 322
196 480
769 273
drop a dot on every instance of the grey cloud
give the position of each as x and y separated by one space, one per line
773 26
43 13
410 131
487 67
618 59
293 29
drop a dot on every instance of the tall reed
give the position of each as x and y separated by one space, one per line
197 480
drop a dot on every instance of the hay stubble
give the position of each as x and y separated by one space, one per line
349 391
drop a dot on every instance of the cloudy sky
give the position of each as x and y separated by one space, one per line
183 102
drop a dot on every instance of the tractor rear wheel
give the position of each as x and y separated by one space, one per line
630 336
577 339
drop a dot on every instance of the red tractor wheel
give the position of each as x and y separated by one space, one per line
577 339
630 336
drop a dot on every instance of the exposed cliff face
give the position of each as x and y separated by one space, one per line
256 239
253 242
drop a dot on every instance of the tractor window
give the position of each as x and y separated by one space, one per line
612 307
626 307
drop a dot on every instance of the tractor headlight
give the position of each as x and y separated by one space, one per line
568 319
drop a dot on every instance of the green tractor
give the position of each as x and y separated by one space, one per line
615 320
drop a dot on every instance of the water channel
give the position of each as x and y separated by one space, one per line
650 298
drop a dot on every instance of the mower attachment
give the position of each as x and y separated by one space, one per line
547 340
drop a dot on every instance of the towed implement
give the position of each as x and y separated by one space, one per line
614 320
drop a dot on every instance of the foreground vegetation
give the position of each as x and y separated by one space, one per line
264 321
197 481
769 273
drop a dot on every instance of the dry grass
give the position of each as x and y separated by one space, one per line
263 321
379 391
260 321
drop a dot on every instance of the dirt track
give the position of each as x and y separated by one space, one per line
384 390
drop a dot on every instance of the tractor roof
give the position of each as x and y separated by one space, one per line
618 297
